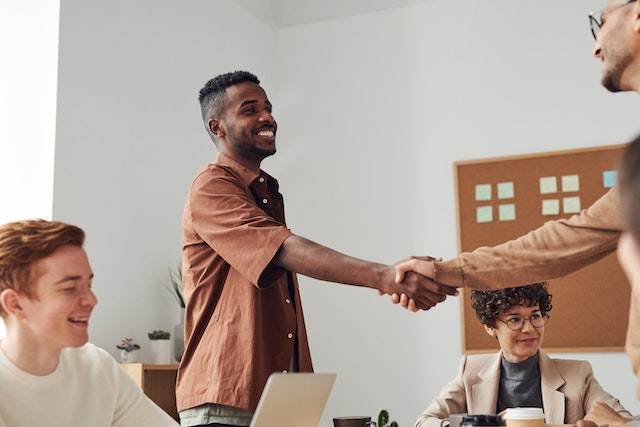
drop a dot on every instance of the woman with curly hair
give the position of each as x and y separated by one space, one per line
520 374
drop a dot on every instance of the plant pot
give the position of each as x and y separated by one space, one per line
160 352
129 356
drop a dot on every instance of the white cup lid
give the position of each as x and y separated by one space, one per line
523 414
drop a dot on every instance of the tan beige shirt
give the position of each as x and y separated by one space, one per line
555 249
568 388
241 321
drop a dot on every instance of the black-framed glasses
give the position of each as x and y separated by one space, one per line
595 18
537 320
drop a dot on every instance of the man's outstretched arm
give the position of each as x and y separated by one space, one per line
319 262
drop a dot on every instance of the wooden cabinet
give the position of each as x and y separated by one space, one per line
158 382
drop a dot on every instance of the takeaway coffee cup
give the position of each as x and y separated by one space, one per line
353 422
524 417
453 420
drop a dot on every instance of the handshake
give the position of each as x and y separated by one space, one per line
414 287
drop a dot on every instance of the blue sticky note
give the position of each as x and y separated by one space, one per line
609 179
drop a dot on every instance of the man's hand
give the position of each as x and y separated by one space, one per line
421 293
600 414
422 265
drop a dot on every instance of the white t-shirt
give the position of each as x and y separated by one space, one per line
88 388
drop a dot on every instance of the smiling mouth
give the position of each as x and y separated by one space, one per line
267 133
81 320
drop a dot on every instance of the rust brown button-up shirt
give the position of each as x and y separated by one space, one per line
243 315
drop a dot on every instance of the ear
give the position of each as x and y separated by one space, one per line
10 301
216 127
636 16
489 330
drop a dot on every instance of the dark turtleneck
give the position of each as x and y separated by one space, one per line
520 384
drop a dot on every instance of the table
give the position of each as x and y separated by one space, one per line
158 382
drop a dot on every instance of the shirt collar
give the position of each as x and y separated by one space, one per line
247 175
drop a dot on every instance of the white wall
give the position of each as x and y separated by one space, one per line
27 108
377 107
372 109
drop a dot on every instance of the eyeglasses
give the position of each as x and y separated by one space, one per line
537 320
595 18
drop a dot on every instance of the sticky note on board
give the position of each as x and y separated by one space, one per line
551 207
571 205
570 183
609 179
483 192
507 212
505 190
484 214
548 185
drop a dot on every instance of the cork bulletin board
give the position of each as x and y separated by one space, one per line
504 198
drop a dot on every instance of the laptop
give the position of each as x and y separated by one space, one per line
293 400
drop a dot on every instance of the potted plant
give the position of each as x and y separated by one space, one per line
175 286
383 419
160 347
129 353
175 289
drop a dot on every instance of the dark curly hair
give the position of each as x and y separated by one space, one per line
490 304
212 94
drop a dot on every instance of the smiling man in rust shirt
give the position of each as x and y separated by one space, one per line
244 316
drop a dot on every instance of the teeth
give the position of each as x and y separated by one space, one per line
266 133
79 319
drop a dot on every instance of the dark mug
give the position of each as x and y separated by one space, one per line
481 420
353 422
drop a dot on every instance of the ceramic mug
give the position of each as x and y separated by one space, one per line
353 422
453 420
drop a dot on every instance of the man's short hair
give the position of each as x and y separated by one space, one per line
212 94
23 243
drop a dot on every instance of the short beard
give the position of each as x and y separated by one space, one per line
612 80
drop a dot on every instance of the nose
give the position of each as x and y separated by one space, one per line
597 49
527 325
266 116
88 299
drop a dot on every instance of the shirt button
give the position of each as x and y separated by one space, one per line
287 300
261 179
289 335
265 201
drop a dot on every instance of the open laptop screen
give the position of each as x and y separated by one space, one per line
293 400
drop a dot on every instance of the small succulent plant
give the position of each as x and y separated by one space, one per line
128 345
159 335
383 419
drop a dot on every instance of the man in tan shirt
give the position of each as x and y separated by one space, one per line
560 247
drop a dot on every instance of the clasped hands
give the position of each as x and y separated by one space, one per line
420 291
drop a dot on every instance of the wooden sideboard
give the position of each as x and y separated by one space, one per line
158 382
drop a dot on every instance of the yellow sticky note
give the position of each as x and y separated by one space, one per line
548 185
571 205
570 183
